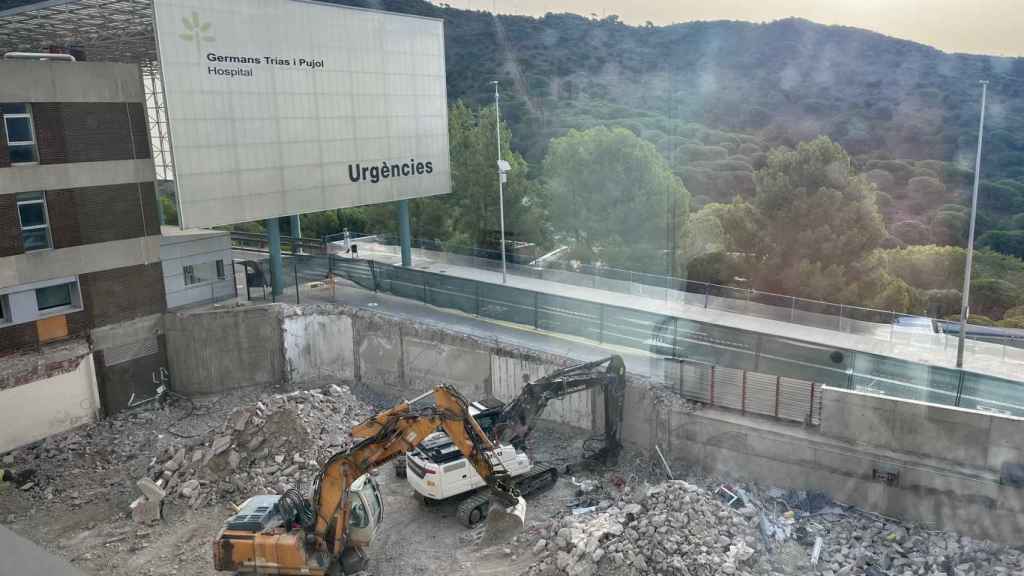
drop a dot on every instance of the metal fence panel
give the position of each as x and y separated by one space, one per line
717 345
451 292
760 393
796 398
633 328
404 282
508 304
359 272
727 390
569 316
900 379
805 360
992 394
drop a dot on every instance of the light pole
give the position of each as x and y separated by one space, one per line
964 305
503 168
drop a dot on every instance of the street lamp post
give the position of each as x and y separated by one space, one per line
964 304
503 168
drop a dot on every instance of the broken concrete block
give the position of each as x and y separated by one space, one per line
255 442
239 419
197 455
234 459
220 444
145 511
150 489
190 488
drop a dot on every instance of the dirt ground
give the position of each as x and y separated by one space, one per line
81 510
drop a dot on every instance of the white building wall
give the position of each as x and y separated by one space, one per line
48 406
178 251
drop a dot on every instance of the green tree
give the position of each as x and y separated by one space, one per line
614 198
704 233
813 209
1005 241
950 227
992 297
473 203
739 222
170 210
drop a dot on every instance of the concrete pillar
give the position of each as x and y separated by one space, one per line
404 233
273 226
296 229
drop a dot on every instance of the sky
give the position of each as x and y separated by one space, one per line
994 27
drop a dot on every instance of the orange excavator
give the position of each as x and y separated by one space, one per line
328 533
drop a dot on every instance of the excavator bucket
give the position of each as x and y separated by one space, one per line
504 522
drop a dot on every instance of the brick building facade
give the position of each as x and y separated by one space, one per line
79 224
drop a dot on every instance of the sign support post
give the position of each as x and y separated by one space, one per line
273 226
404 233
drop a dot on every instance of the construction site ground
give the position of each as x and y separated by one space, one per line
78 504
212 452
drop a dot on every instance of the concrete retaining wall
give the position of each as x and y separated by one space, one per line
937 492
318 348
33 411
963 436
215 350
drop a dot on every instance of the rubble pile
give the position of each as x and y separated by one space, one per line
264 448
858 542
672 528
677 527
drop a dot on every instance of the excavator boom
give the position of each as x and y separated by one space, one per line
609 374
322 522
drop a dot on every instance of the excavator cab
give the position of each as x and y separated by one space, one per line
367 511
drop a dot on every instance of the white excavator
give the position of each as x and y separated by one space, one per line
437 469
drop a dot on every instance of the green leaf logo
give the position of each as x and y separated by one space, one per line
196 31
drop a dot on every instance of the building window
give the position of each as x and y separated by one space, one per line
35 227
5 315
220 269
21 137
55 296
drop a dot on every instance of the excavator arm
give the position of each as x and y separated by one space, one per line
312 535
393 432
519 417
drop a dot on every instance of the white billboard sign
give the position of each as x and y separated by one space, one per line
280 107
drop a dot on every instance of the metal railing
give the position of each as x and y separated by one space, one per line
675 337
882 325
879 325
259 242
